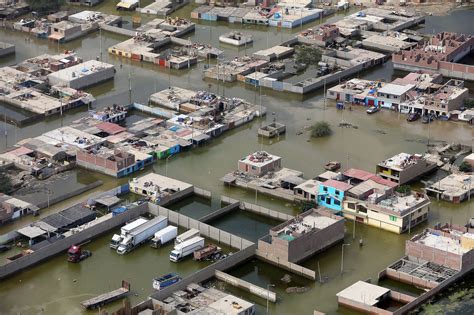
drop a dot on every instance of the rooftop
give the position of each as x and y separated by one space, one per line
318 219
401 161
337 184
436 240
260 158
364 293
396 89
163 183
81 70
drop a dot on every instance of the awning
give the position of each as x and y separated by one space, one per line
56 36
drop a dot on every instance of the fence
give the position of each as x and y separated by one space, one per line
63 244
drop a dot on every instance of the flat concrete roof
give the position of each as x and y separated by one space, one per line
259 158
163 182
231 304
441 242
364 293
81 70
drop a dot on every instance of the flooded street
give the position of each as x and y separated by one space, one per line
56 287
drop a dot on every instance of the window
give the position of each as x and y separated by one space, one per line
337 202
325 189
337 192
254 168
351 206
393 218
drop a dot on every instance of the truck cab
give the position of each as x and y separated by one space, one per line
124 246
175 256
115 241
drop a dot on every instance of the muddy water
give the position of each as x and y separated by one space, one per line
50 288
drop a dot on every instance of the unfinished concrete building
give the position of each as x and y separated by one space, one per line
303 236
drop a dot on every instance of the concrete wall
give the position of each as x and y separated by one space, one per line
247 206
62 245
221 212
247 286
428 295
206 230
434 255
202 193
294 268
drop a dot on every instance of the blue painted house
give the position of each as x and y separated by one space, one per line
331 194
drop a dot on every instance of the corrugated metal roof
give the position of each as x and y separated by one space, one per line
110 128
358 174
337 184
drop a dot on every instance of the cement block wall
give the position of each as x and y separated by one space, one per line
247 206
62 245
247 286
294 268
434 255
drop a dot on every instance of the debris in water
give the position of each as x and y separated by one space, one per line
296 289
286 278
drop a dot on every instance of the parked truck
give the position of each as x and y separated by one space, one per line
124 231
186 248
164 236
186 236
206 252
142 234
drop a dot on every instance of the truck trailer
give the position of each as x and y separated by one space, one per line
186 248
142 234
164 236
124 231
186 236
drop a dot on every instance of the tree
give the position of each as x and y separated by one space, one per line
308 55
44 5
5 183
465 167
321 129
403 189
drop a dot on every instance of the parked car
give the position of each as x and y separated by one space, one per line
413 117
372 110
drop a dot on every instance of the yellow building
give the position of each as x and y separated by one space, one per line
394 213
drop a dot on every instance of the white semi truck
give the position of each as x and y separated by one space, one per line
124 231
186 248
186 236
142 234
164 236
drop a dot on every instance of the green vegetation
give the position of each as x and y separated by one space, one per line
404 189
321 129
465 167
5 183
44 5
469 103
308 55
